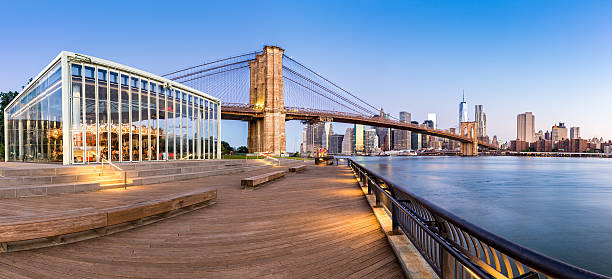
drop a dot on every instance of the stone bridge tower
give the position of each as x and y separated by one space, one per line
468 129
267 134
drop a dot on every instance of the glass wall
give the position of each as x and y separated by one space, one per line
34 121
114 114
121 116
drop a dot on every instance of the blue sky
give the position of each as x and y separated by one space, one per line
553 58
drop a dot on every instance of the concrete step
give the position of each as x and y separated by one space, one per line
192 175
56 179
44 190
47 171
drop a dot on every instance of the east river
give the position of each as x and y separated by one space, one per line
559 206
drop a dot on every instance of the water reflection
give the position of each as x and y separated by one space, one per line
559 206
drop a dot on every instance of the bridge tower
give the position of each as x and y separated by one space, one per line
469 148
267 134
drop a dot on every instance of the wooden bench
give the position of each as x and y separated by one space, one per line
297 168
53 227
261 179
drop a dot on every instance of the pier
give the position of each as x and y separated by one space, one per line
315 223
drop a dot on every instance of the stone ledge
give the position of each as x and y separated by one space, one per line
409 257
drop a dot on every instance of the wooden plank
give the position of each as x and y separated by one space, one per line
297 168
260 179
52 227
321 229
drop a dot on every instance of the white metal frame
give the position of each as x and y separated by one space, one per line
66 59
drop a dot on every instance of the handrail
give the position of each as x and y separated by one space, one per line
102 160
268 156
457 241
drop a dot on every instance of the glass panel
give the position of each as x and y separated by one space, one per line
125 123
76 70
144 127
135 123
114 77
171 124
163 128
89 72
77 121
101 75
91 129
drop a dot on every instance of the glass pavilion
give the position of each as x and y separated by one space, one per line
83 109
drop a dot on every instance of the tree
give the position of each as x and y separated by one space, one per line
226 148
242 149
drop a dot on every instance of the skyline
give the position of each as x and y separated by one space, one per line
549 57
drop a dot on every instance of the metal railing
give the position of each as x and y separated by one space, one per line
102 161
454 247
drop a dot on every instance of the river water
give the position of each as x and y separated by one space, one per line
559 206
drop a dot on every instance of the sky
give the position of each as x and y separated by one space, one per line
553 58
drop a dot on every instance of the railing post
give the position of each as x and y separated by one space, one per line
447 262
394 219
369 186
377 197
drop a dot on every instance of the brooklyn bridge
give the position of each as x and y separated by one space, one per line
267 88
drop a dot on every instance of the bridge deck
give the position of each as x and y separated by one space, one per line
312 224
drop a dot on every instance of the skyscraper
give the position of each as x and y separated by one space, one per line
559 133
525 127
358 138
415 138
574 132
335 144
432 116
463 113
405 116
402 138
370 140
481 121
348 145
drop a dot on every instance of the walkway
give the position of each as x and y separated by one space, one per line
307 225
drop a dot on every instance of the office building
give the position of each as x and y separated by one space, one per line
415 139
335 144
559 133
348 142
463 113
405 116
481 121
370 141
358 139
574 132
82 109
433 118
525 127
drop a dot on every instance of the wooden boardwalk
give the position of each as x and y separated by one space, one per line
314 224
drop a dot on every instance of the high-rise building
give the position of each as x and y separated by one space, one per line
358 138
328 130
402 138
494 141
463 113
415 139
559 133
335 144
574 132
384 137
525 127
314 135
481 121
539 135
348 142
405 116
370 141
432 117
